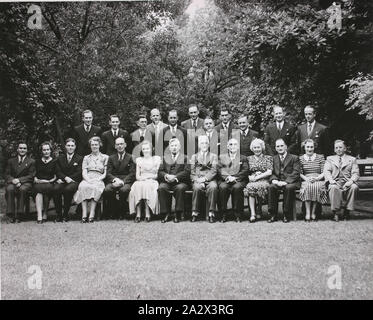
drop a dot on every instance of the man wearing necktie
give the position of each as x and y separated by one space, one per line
156 128
204 165
314 130
69 174
341 173
285 178
279 129
247 135
108 137
121 173
19 174
174 131
82 133
173 175
233 171
141 134
194 122
225 129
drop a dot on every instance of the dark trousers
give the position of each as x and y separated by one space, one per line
20 194
109 197
165 197
65 191
212 193
289 196
236 190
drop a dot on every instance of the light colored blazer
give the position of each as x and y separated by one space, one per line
199 168
349 168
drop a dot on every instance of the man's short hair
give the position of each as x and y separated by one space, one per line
193 105
280 139
141 116
154 110
339 141
86 111
242 115
172 111
200 138
225 109
113 116
276 106
21 142
232 139
70 140
120 138
174 140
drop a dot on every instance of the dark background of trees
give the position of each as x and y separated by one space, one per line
126 58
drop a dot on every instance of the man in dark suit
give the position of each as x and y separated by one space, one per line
19 175
195 122
226 129
69 174
156 128
121 173
280 129
204 168
84 132
141 134
233 172
315 131
246 135
208 130
285 178
173 175
108 137
174 131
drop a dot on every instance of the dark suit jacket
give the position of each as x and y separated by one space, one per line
24 172
291 169
180 168
124 170
108 141
136 140
81 137
219 128
271 134
239 168
319 134
187 124
72 170
245 142
181 134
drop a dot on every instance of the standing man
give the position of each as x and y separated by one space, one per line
108 137
226 129
233 173
84 132
69 174
204 165
246 135
173 175
285 178
312 130
174 131
280 129
19 175
141 134
194 122
121 173
156 128
208 130
341 172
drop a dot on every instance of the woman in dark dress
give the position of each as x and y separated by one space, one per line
44 179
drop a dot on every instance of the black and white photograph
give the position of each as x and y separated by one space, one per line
186 150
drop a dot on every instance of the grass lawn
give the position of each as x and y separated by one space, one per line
123 260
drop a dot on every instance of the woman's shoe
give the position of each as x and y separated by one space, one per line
84 220
307 219
147 219
252 219
91 220
39 221
314 219
137 219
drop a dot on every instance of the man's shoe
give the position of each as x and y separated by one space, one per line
238 219
58 219
346 215
271 220
12 220
176 220
194 219
165 219
336 217
285 220
224 219
18 220
211 219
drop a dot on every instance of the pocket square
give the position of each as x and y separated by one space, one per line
75 164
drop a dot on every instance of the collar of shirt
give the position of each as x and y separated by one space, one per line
69 156
173 128
87 128
46 160
312 124
21 158
226 126
232 155
142 132
280 123
245 131
174 157
121 156
307 158
283 156
115 132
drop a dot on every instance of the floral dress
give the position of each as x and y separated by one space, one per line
258 165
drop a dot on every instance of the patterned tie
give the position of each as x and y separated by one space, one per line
279 126
87 129
194 124
282 157
309 129
20 161
340 161
68 158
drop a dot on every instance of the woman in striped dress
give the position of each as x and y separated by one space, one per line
313 186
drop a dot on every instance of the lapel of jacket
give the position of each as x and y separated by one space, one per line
24 164
345 161
287 160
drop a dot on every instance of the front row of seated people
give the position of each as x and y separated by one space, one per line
145 183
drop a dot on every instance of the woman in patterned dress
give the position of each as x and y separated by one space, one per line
146 184
93 172
260 169
313 189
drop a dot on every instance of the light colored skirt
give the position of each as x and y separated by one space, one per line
89 191
144 190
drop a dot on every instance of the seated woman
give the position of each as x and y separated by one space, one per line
146 184
93 173
260 169
44 181
313 188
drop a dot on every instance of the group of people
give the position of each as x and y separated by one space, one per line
139 172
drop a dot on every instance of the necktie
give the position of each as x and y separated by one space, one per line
282 157
174 157
244 133
309 129
87 129
340 161
173 131
115 133
68 159
278 126
20 161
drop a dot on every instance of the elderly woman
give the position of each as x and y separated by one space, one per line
260 169
44 180
146 184
93 173
313 189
